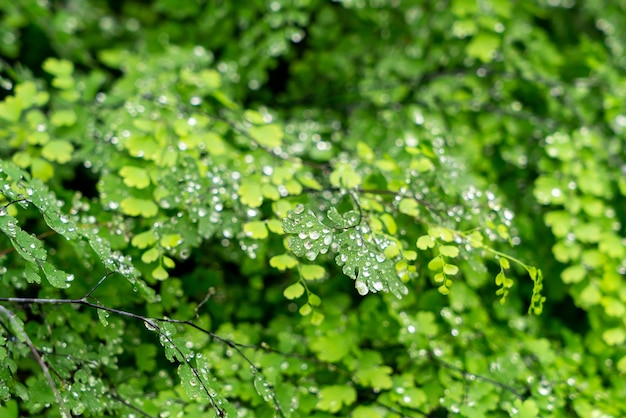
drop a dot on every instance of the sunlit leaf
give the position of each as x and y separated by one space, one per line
293 291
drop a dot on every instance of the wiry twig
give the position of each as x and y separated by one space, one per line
129 405
42 364
152 323
400 413
471 376
209 293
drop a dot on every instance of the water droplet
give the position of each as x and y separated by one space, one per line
361 287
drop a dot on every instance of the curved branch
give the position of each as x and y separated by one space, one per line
65 413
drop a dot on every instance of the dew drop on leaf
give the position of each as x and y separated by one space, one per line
361 287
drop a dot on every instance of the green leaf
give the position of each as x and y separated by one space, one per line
58 67
143 147
314 300
390 223
573 274
151 255
441 233
9 409
251 193
613 306
483 46
190 382
423 165
275 226
366 264
32 275
293 291
270 191
139 207
409 207
168 262
27 93
590 296
426 323
63 118
41 169
262 387
213 143
450 269
409 255
305 309
312 272
281 174
169 241
526 409
270 136
22 159
307 180
392 251
500 278
56 278
103 317
11 109
435 264
504 263
309 236
160 273
611 245
327 349
333 398
58 150
377 377
135 177
283 262
256 229
364 152
549 190
449 251
560 221
143 240
344 175
588 232
425 241
367 412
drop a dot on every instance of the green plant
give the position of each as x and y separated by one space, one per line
357 209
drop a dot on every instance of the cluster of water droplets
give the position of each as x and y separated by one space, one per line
363 261
310 237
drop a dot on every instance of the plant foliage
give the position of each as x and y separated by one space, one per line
310 209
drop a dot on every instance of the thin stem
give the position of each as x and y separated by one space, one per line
42 364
